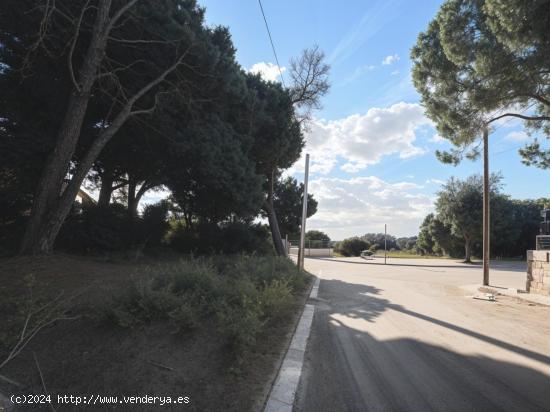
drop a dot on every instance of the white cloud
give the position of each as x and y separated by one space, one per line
517 136
435 181
363 139
349 207
390 59
268 71
353 167
395 73
437 139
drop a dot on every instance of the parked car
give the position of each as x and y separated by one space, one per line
367 254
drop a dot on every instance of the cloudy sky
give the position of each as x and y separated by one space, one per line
372 148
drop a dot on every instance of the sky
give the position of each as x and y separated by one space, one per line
372 148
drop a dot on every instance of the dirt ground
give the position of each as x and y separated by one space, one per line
84 357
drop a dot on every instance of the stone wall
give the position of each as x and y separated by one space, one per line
325 252
538 272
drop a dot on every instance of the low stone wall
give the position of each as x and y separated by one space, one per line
538 271
326 252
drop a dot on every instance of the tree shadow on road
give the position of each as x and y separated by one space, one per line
349 369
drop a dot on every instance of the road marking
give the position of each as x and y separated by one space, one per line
283 392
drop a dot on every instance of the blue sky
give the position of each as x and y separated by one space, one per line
372 148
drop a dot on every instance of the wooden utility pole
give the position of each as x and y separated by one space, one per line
301 251
486 206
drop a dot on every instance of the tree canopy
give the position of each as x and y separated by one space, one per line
288 202
455 229
317 235
131 96
480 61
459 206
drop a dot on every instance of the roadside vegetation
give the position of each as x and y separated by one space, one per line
158 104
239 294
209 328
103 105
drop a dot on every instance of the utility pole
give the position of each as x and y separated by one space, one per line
385 241
304 216
486 206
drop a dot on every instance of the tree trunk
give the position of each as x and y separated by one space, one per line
106 189
274 227
50 186
48 216
132 204
50 228
273 223
467 250
486 206
135 195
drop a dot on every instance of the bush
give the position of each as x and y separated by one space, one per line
240 322
110 229
276 300
184 317
142 302
241 294
154 224
244 238
235 237
96 229
352 246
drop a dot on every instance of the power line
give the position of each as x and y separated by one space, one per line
511 117
524 111
272 45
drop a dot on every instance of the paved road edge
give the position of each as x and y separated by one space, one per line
282 395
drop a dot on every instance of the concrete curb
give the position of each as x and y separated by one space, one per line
510 292
515 293
283 392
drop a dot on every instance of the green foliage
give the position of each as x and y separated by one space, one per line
317 235
109 228
481 57
379 239
219 180
460 206
406 243
514 226
154 222
234 237
288 202
352 246
238 295
241 322
97 229
215 138
276 299
534 155
456 229
435 238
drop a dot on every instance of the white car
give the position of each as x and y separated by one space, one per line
367 254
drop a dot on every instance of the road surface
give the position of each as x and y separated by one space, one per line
405 337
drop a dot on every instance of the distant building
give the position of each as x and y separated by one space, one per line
84 198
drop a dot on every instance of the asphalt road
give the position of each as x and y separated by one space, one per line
407 337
